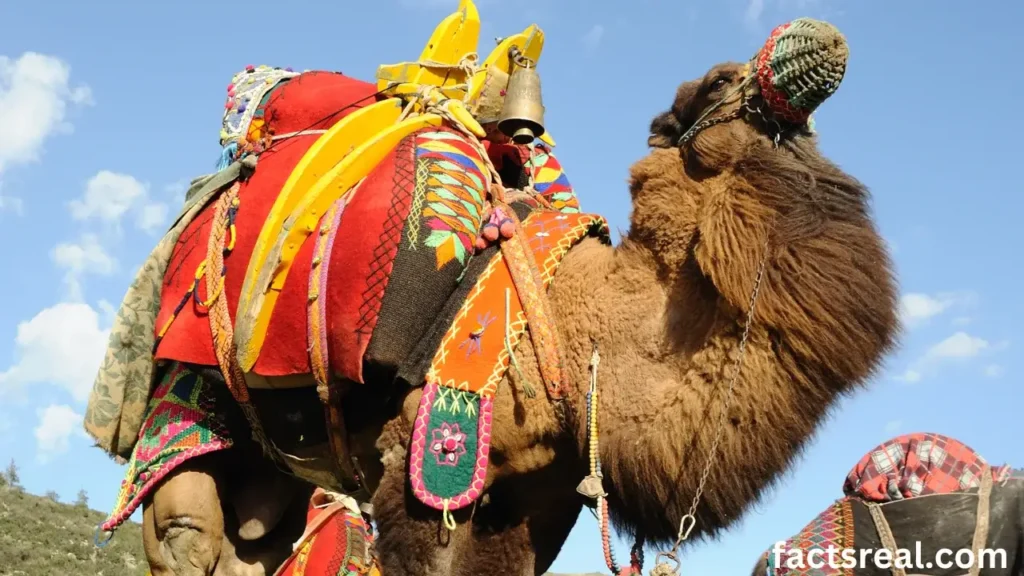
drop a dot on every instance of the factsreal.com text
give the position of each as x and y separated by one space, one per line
839 558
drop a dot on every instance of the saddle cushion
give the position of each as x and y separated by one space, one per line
311 101
399 243
917 464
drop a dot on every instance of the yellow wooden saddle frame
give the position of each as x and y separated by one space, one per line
345 154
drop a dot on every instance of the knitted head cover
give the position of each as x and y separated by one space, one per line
800 66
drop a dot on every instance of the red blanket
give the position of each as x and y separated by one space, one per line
399 248
314 100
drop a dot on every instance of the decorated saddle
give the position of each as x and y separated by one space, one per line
896 474
350 225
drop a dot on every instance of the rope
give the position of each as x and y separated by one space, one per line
704 122
885 534
595 462
446 515
980 528
218 248
201 272
467 65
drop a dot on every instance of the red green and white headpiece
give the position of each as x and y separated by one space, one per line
799 67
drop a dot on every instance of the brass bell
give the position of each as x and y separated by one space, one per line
522 115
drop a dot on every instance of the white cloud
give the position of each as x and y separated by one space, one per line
917 308
62 345
85 257
57 424
12 204
35 93
994 371
109 196
910 376
592 39
959 345
176 190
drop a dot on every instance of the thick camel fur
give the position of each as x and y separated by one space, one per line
666 310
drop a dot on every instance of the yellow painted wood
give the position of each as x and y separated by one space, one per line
453 39
303 220
325 154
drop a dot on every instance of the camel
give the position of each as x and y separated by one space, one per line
920 503
750 294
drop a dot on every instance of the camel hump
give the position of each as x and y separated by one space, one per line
296 110
915 465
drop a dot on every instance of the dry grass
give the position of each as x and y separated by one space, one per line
41 537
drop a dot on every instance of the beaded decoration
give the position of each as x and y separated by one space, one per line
241 131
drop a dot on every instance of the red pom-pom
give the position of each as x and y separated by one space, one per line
490 232
507 228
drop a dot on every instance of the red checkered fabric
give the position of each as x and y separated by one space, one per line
916 464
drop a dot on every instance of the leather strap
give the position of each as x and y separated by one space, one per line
530 287
981 521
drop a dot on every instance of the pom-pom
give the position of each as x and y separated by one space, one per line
490 232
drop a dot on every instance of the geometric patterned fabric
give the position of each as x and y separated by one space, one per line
183 421
833 529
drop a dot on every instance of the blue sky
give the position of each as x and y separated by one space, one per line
107 109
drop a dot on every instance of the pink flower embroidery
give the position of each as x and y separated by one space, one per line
447 444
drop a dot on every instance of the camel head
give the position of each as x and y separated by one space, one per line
735 180
735 195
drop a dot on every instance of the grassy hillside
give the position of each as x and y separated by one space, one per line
42 537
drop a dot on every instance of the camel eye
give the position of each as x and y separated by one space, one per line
719 84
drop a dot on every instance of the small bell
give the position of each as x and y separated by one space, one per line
522 115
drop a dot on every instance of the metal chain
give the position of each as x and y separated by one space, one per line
687 523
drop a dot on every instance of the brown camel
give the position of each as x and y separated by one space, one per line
747 196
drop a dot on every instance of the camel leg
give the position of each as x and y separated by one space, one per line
240 557
183 522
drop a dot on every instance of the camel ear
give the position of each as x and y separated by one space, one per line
665 131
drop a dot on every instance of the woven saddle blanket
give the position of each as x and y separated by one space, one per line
398 248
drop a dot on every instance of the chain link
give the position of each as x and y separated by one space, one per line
689 521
